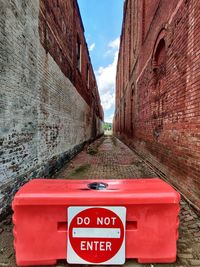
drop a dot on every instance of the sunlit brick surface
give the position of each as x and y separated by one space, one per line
158 88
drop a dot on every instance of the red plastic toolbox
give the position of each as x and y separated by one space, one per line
41 207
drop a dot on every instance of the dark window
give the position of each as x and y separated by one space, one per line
159 109
78 53
160 59
88 76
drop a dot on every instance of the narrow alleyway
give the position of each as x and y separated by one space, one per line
108 158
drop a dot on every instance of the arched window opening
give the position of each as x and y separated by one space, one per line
132 91
159 69
159 63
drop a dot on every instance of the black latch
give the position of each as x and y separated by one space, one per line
97 186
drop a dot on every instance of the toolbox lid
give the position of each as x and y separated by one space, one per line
79 192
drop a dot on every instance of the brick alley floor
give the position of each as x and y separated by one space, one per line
108 158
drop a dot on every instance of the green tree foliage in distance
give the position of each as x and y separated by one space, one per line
107 126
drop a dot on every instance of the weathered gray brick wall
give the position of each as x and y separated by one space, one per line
43 119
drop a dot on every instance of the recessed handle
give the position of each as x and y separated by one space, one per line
97 186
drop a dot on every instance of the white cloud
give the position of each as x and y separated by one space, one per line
91 47
110 118
113 47
106 80
108 100
106 76
115 43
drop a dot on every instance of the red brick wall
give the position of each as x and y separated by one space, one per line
162 96
149 10
60 24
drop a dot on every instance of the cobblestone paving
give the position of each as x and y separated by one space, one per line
108 158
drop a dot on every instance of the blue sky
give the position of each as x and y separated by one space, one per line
102 21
